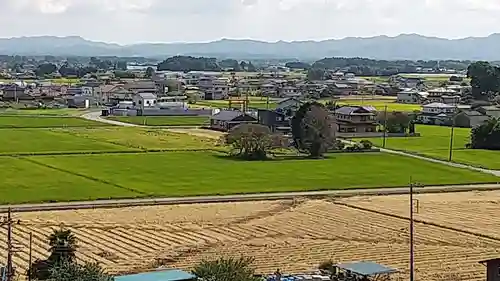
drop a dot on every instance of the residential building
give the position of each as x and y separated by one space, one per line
436 113
275 120
436 95
342 89
491 111
214 88
289 91
143 86
144 100
411 96
91 88
225 120
14 92
469 118
356 119
288 105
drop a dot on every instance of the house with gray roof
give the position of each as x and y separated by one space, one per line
356 119
225 120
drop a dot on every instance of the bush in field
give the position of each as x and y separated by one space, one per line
366 144
253 141
226 269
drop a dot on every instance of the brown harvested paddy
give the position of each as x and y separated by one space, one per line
291 235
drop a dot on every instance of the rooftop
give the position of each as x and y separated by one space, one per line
438 105
227 115
366 268
167 275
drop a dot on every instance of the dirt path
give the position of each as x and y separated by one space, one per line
242 197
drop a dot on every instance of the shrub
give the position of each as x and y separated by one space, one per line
366 144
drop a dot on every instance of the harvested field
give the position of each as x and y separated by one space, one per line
293 235
163 120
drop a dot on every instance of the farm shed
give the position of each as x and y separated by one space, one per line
165 275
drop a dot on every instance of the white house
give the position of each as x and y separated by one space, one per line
411 96
145 100
436 113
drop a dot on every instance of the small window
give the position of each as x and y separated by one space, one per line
279 118
498 270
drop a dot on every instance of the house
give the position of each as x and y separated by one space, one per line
145 100
492 269
113 94
356 119
288 105
469 118
436 113
289 91
275 120
79 101
163 275
342 89
214 88
436 96
491 111
225 120
91 88
144 86
411 96
14 92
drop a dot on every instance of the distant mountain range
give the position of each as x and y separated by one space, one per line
405 46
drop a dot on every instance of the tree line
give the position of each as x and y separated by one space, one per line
189 63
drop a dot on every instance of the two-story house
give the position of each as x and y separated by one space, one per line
443 95
144 100
436 113
277 121
214 88
356 119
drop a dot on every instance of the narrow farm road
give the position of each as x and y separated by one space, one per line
121 203
96 116
452 164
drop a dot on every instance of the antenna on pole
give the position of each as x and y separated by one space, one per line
9 269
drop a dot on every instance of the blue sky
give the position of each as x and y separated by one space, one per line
133 21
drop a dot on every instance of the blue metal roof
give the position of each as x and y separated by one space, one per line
366 268
166 275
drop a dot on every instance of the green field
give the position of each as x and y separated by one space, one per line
46 141
142 138
202 173
162 120
41 112
23 182
45 122
435 142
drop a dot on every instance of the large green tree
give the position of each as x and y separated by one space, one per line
485 79
45 69
487 135
313 129
252 141
226 269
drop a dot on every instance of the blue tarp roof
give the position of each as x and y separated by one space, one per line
166 275
366 268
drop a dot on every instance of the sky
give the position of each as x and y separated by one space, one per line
136 21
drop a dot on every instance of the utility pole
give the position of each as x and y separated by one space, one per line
412 256
385 127
452 135
8 222
30 257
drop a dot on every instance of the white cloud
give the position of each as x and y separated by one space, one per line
129 21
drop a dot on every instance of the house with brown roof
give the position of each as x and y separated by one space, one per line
356 119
